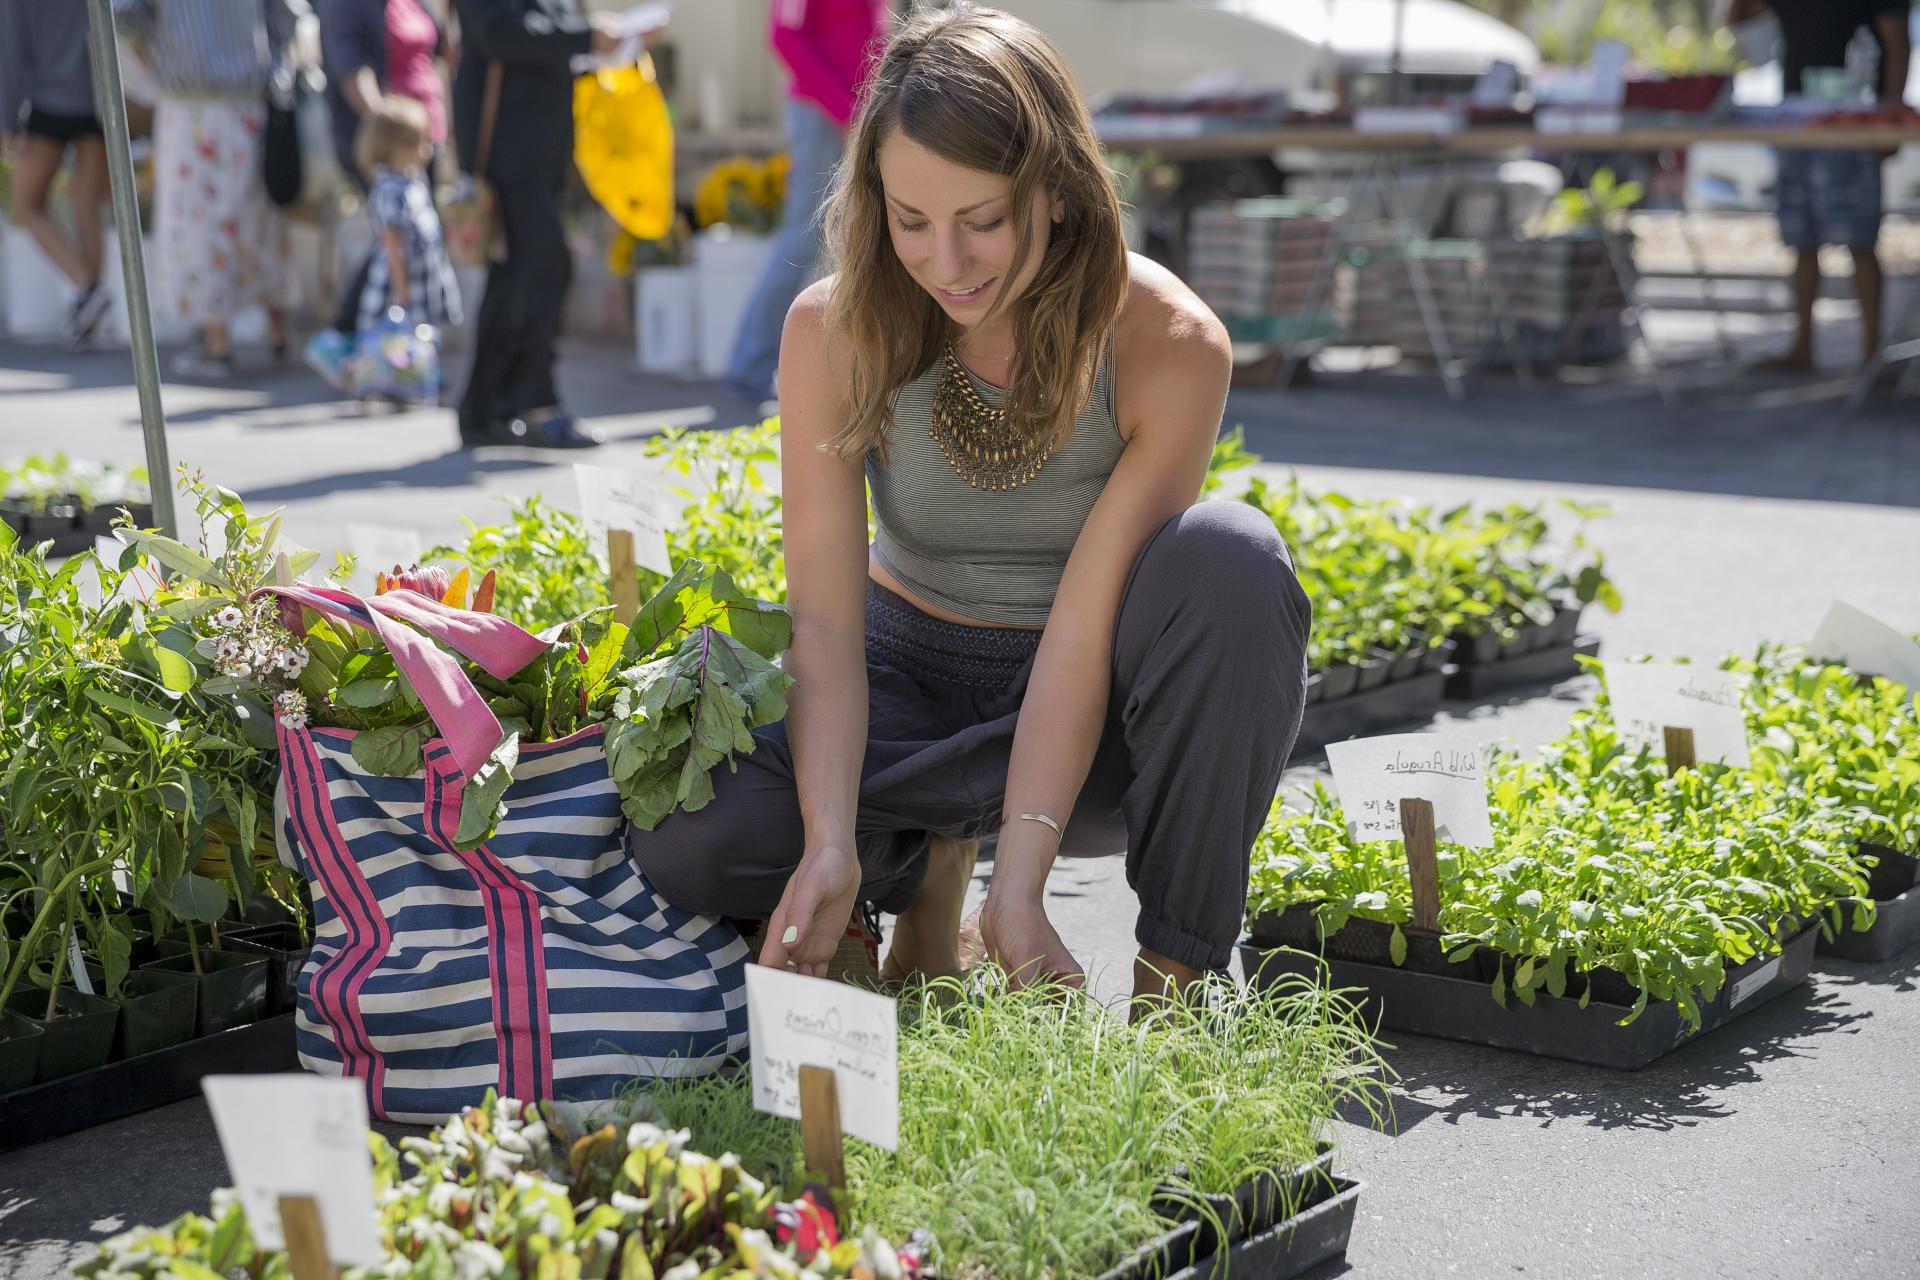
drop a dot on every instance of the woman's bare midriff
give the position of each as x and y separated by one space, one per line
878 572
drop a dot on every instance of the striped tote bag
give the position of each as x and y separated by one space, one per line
541 963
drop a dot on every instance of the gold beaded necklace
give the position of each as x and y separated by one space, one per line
982 447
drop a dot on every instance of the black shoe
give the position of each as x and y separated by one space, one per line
561 431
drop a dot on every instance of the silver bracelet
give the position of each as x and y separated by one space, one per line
1043 818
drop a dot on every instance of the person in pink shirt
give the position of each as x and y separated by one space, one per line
828 47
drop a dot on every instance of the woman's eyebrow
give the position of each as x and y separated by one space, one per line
904 207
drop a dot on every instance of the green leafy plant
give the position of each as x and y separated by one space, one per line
37 484
505 1189
1205 1096
1605 199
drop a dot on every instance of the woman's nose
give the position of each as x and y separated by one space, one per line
949 259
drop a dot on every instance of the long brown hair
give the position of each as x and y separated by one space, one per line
982 89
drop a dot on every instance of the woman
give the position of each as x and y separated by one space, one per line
219 236
1048 637
372 49
517 55
46 110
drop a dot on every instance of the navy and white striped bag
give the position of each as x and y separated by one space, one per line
541 963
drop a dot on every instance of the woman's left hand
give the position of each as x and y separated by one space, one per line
1022 941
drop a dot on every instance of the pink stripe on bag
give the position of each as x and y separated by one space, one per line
516 953
336 983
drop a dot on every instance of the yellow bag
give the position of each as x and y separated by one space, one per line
623 145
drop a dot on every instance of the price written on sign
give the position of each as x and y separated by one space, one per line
1861 641
629 500
797 1022
1650 697
298 1135
1373 775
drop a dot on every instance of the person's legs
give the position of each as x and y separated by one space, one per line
33 173
531 213
1867 283
1853 212
1209 685
1795 197
90 193
815 147
493 336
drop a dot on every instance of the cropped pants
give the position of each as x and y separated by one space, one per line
1209 679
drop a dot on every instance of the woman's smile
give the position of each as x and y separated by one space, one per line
967 297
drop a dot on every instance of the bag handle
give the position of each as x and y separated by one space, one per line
489 111
458 711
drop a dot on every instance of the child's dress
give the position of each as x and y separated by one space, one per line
402 201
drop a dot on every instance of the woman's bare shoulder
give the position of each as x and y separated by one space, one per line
810 332
1163 323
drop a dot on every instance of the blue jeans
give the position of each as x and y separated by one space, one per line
814 146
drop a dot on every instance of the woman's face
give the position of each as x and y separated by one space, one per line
953 228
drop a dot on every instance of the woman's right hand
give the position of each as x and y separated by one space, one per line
813 913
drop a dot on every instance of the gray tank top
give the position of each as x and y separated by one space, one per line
986 554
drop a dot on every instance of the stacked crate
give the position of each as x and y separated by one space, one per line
1254 262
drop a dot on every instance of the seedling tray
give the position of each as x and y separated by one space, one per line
1356 715
1895 928
1255 1205
1474 680
132 1085
1316 1234
1433 1004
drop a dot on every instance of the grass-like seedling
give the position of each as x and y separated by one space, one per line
1036 1126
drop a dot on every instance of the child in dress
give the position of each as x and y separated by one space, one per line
410 292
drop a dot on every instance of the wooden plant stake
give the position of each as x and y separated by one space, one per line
625 574
820 1126
1423 866
1679 745
306 1238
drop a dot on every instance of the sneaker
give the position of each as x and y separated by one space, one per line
196 364
327 353
89 309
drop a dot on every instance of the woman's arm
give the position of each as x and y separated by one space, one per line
824 513
1177 365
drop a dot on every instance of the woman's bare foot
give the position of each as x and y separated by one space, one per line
1158 980
926 936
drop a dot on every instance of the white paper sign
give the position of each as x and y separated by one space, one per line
795 1021
1373 775
299 1135
1648 697
1866 644
377 548
614 499
1750 986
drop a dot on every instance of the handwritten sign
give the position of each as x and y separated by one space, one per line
797 1021
1648 697
377 548
613 499
1373 775
1866 644
303 1136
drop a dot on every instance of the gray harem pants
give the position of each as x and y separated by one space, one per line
1209 678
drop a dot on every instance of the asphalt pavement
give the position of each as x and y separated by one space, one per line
1777 1146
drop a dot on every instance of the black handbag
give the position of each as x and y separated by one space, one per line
280 140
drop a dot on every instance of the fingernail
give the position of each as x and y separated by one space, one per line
791 936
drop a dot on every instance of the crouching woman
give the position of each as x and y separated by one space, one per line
1048 639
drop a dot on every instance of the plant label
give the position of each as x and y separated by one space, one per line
1373 775
1650 697
796 1022
615 499
299 1135
1750 986
1866 644
378 548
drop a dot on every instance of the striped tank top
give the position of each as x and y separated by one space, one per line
985 554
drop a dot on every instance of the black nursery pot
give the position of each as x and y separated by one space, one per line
1893 875
1406 665
232 987
1339 681
1525 639
1316 685
285 951
1566 625
78 1038
1481 647
19 1051
157 1012
1439 655
1373 670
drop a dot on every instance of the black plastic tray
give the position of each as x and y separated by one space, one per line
1432 1004
1896 928
1256 1204
1540 666
133 1085
1317 1234
1412 700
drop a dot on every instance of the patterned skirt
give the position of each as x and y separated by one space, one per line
218 235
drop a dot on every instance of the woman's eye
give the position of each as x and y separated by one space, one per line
984 227
910 226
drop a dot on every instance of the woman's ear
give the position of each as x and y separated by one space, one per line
1057 211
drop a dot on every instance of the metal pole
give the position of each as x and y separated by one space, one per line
111 104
